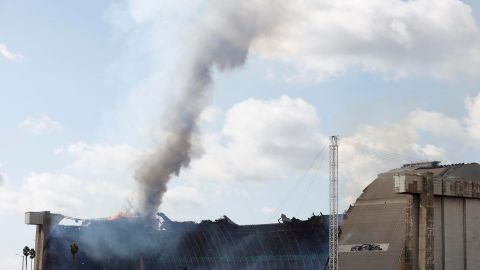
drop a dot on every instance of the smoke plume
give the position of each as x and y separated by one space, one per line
221 42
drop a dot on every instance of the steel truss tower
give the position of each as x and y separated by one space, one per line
333 218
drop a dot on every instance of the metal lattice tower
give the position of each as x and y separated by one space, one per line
333 218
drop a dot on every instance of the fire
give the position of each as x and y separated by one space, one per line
123 214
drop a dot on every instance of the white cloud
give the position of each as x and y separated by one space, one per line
7 54
318 38
63 193
258 138
123 14
431 152
56 192
211 115
268 211
376 149
183 195
466 129
103 158
394 37
436 123
106 170
99 174
9 200
2 176
39 124
285 131
472 120
264 140
274 139
42 191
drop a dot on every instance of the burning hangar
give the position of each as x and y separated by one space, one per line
128 243
420 216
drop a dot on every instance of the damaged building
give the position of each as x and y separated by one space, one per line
419 216
128 243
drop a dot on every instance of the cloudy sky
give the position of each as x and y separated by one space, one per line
84 87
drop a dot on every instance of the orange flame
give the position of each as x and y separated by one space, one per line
123 214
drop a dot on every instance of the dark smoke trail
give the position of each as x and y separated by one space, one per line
222 42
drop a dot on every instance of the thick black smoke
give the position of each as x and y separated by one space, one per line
220 43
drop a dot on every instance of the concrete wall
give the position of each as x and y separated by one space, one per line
438 225
457 233
472 230
456 219
453 233
456 222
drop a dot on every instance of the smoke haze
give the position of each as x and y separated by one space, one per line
221 42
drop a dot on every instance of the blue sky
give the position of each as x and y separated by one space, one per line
83 86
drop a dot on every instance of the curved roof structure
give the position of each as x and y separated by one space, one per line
390 214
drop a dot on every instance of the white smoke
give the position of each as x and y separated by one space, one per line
221 42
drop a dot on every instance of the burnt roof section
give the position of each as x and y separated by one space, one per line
382 186
426 164
465 171
125 243
418 165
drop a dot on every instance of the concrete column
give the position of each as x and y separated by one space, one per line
425 225
142 263
40 242
472 231
438 221
411 233
44 222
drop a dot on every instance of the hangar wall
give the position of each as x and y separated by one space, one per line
457 233
428 215
472 229
453 228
